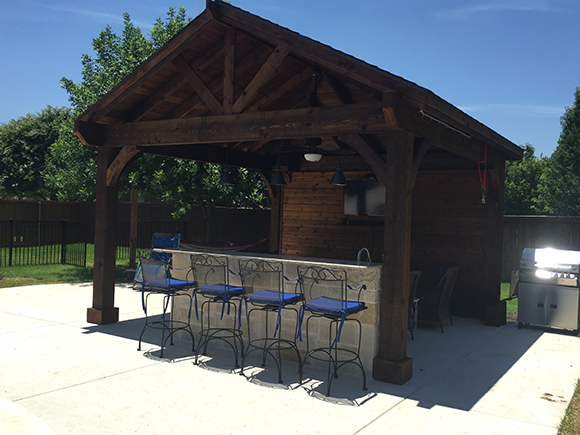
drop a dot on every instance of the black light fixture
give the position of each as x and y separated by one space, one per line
226 178
312 154
278 178
338 178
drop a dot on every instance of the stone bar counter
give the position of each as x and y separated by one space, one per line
368 274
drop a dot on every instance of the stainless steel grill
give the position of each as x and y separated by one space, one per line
549 288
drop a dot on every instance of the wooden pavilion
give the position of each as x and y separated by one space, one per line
234 86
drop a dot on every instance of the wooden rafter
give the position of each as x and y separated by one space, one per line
260 79
216 85
229 70
357 142
282 90
199 86
174 85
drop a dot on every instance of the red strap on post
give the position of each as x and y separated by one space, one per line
483 179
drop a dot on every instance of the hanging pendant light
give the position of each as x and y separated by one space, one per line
338 178
226 178
278 178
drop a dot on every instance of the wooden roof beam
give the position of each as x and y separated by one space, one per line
282 124
213 154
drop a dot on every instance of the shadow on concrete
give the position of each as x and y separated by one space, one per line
453 369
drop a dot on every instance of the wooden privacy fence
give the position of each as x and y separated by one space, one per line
536 232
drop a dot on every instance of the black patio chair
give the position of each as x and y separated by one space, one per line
211 274
157 281
434 302
328 296
263 283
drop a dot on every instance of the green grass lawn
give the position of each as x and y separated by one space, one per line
512 306
17 276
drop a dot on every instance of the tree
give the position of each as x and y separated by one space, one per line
560 190
71 167
522 183
184 183
24 144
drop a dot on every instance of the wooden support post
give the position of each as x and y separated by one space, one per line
103 310
133 230
392 364
495 309
276 219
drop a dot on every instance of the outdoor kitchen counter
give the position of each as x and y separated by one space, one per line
368 274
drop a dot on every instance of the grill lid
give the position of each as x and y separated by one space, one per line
557 260
548 265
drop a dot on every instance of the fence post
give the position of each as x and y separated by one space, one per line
11 242
85 239
63 243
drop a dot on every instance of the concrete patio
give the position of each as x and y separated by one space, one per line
62 375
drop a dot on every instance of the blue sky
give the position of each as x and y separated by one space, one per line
512 64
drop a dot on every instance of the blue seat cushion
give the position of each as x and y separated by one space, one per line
274 297
221 289
334 306
170 283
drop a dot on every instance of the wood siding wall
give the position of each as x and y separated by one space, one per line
450 227
314 224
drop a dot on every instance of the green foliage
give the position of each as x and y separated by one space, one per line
117 56
186 183
71 167
24 144
522 183
560 191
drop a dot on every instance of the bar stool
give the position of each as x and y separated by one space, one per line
263 283
328 296
157 281
211 275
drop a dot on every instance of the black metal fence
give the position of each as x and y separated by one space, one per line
46 242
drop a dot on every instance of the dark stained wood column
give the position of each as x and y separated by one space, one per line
495 309
103 310
392 364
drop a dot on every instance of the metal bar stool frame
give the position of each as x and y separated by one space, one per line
263 283
157 281
211 274
336 307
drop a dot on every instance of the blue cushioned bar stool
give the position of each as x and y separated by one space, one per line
328 296
211 274
157 281
263 283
